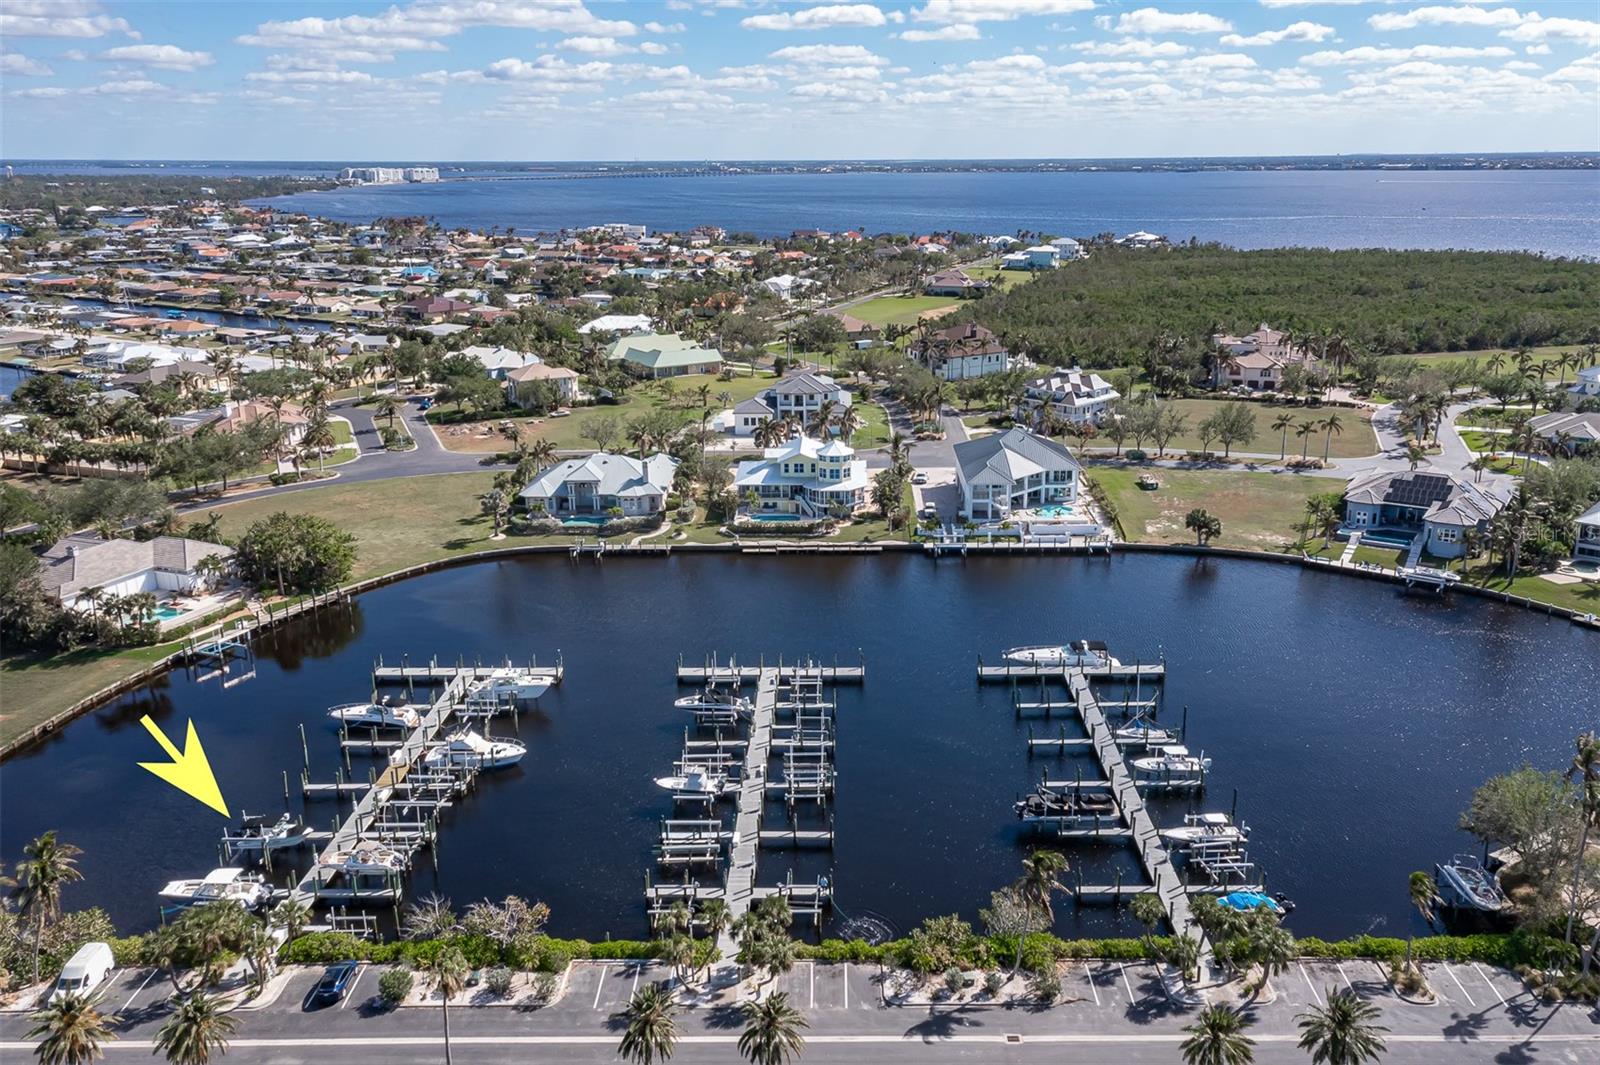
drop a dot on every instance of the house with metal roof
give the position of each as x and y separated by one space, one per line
598 484
1070 395
72 566
1006 473
1574 433
799 396
805 477
657 355
1426 511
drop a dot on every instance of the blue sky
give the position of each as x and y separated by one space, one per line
718 79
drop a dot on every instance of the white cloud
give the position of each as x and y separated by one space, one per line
311 77
554 74
831 16
974 11
1371 54
1310 3
165 56
653 48
595 46
828 55
956 31
1148 20
1537 49
51 93
76 55
127 87
1585 71
1538 30
661 27
1465 15
58 18
1137 47
1518 64
17 64
1312 32
839 93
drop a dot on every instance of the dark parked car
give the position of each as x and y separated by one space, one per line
335 983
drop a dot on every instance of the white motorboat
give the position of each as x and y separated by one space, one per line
230 884
256 835
1465 884
507 687
1202 830
1172 761
1082 654
697 781
375 715
474 751
712 701
367 856
1141 731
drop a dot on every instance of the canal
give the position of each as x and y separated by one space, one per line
1352 721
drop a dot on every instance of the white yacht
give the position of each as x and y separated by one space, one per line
1465 883
256 835
468 748
220 885
1082 654
503 686
375 715
696 780
712 700
1140 731
1172 761
1200 830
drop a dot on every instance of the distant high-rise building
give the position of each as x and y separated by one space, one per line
422 173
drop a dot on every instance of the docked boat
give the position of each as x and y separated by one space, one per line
507 686
1083 654
368 856
697 781
375 715
257 835
469 749
1141 731
713 701
230 884
1200 830
1049 804
1252 900
1172 761
1465 884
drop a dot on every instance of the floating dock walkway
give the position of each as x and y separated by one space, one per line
713 671
437 672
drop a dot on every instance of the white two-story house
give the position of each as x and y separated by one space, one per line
961 352
1006 473
595 485
798 396
803 478
1587 546
1071 395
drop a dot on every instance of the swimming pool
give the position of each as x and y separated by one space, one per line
1055 511
1387 539
166 612
586 519
775 517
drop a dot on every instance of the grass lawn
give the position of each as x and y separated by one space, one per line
1481 441
900 310
1003 280
1355 437
38 689
1583 597
1258 510
1387 557
1540 355
875 430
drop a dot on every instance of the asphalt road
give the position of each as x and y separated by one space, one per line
1109 1012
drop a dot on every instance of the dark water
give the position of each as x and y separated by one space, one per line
1556 212
1353 722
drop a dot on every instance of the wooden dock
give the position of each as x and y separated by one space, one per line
713 671
739 883
437 672
1006 672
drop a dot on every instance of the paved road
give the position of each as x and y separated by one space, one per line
1109 1012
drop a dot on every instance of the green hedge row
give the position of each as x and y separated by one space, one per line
545 954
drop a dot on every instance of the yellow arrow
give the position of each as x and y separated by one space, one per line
189 772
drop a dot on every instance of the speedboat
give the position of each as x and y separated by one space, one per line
504 686
1199 830
712 700
260 834
1465 883
230 884
471 750
1047 803
1251 900
367 856
375 715
1079 655
696 780
1172 761
1140 731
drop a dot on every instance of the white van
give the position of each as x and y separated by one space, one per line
86 970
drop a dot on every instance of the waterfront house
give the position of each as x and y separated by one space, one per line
1068 248
1016 470
617 323
1573 433
1586 544
1256 360
954 283
657 355
805 477
1038 257
72 566
519 383
499 361
961 352
1588 382
1070 395
597 484
160 373
1426 511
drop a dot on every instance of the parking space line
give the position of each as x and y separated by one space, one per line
1383 979
1459 984
1344 975
634 990
600 986
812 972
1123 969
846 985
128 1004
1486 980
1314 996
1090 974
361 971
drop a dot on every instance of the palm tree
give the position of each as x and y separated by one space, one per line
1304 433
1041 879
1424 896
46 865
1344 1032
1282 424
1586 767
822 419
1217 1038
448 976
195 1031
541 453
850 422
1333 427
1415 455
70 1031
651 1033
771 1033
388 408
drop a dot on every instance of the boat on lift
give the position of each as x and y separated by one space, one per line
257 835
1172 761
1254 900
507 686
1049 804
1201 830
698 780
375 715
712 701
367 856
1465 884
468 749
1140 730
1082 654
229 884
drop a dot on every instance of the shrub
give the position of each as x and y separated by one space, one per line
497 981
545 986
1045 986
992 983
394 985
1134 454
841 950
954 981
